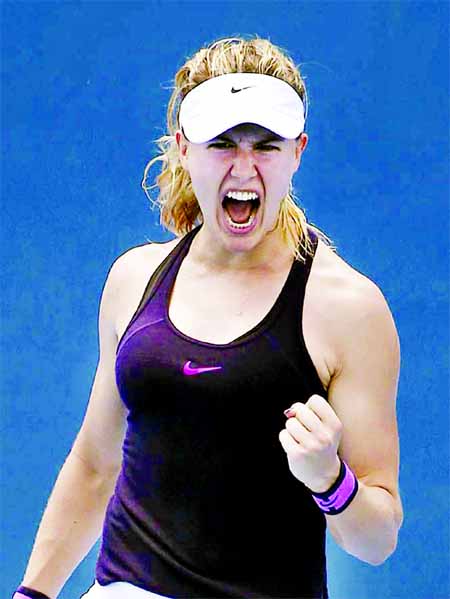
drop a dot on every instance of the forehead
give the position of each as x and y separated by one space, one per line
249 132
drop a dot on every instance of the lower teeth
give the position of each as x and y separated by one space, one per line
240 225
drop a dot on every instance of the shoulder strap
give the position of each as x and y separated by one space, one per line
160 272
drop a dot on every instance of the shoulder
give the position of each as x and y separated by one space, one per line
349 289
130 272
356 307
139 259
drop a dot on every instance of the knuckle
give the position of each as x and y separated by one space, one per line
314 399
324 439
290 424
298 452
338 427
315 446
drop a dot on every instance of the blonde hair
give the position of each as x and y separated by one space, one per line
179 208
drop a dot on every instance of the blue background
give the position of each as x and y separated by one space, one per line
85 87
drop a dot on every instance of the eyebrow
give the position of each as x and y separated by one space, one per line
264 139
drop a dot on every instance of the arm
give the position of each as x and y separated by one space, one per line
73 518
70 526
359 423
363 395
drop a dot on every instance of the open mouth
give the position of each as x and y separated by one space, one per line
241 208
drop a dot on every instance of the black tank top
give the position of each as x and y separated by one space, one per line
205 504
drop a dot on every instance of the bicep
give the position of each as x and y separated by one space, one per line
363 395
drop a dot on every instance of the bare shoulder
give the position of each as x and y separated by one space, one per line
133 261
133 264
347 286
353 303
128 278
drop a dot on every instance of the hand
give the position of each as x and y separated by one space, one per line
311 440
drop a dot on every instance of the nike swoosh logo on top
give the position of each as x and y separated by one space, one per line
235 91
189 370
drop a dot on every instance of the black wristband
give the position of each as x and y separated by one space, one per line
31 593
340 494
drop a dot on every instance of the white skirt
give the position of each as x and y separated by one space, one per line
119 590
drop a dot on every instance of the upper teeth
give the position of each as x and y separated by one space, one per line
242 195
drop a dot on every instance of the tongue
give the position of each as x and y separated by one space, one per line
238 210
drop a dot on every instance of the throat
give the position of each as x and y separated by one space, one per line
207 255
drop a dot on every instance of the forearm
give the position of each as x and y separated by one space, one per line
71 524
368 527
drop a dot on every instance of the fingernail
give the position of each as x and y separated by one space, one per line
289 413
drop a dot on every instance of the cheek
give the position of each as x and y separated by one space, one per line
277 187
277 184
198 174
203 169
205 182
208 176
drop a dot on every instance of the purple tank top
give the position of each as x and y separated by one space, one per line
205 504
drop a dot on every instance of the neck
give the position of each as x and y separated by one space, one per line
210 254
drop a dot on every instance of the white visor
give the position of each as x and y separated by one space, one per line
223 102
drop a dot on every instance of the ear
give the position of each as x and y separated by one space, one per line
302 142
183 145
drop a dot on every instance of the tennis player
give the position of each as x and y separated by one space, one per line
245 395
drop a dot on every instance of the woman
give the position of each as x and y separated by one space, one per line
204 342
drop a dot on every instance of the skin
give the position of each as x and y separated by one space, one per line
347 326
243 164
357 421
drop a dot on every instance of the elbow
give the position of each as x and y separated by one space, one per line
375 555
373 562
390 544
376 559
379 560
381 547
384 554
370 539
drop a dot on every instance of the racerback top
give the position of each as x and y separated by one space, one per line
205 505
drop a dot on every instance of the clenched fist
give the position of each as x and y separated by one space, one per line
311 440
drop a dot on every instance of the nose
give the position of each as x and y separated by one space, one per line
243 164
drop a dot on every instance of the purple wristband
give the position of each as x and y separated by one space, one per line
27 593
340 494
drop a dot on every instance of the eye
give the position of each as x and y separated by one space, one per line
220 145
262 147
267 148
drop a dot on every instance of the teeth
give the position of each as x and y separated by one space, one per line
243 196
241 225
